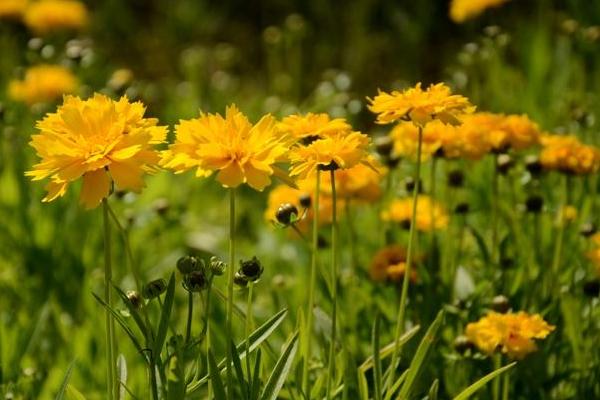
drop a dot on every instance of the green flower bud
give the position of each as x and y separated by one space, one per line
240 280
187 264
154 289
251 269
195 281
217 267
134 298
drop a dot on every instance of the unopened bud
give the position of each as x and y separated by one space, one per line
456 178
286 214
500 304
534 204
134 298
305 200
217 267
154 289
187 264
240 280
504 163
251 269
195 281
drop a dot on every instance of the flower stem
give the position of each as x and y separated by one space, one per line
229 333
334 284
495 193
248 331
188 326
496 382
311 288
556 259
110 330
506 385
409 259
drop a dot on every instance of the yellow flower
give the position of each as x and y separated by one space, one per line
359 183
312 126
45 16
430 214
594 257
43 83
99 140
568 155
567 214
438 139
420 106
511 333
338 151
521 131
12 8
389 264
239 151
595 239
462 10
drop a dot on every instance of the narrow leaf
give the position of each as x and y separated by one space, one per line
133 312
465 394
281 370
163 325
239 372
122 375
255 387
389 348
215 377
376 359
63 387
73 394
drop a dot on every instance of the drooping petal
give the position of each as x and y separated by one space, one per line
96 186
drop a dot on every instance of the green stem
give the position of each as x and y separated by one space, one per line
188 326
334 284
123 232
206 329
229 333
153 383
506 385
351 235
433 243
495 192
496 382
248 331
556 259
409 260
311 288
110 334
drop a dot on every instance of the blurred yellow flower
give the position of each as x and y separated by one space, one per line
567 214
239 151
516 132
568 155
389 264
338 151
438 139
43 83
312 126
12 8
511 333
430 214
45 16
462 10
358 183
420 106
99 140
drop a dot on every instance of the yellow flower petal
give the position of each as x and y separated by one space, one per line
96 186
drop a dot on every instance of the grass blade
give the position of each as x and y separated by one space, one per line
63 387
255 386
281 370
215 377
419 357
388 349
465 394
163 325
237 365
376 359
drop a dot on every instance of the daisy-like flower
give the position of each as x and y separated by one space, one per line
462 10
420 106
430 214
438 139
43 83
239 151
45 16
311 126
12 8
510 333
568 155
338 151
504 132
389 264
99 140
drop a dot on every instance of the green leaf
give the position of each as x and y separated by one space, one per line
256 339
122 375
63 387
433 390
485 254
163 325
255 386
389 348
419 357
376 359
239 372
465 394
215 377
73 394
281 370
363 386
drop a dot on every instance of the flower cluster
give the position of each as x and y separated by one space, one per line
568 155
510 333
43 83
462 10
430 215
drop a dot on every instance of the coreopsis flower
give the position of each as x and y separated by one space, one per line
567 214
359 183
45 16
340 150
43 83
438 139
420 106
239 151
462 10
389 264
509 131
101 141
12 8
568 155
430 215
510 333
312 126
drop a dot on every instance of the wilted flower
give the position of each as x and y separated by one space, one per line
12 8
568 155
430 214
45 16
511 333
99 140
420 106
462 10
239 151
43 83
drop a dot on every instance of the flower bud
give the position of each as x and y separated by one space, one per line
217 267
134 298
592 288
534 204
251 269
187 264
384 146
154 289
533 165
462 344
504 163
195 281
286 214
456 178
409 185
587 229
305 200
391 162
161 206
240 280
500 304
461 208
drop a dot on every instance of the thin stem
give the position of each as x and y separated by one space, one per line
248 331
123 231
351 234
432 194
110 338
188 326
206 329
556 259
409 260
506 385
334 284
311 288
229 333
153 383
496 382
495 192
